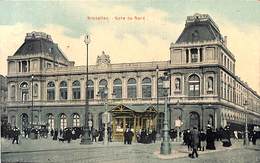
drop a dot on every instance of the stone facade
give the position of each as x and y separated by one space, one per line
204 87
3 98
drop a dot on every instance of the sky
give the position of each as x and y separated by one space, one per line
144 35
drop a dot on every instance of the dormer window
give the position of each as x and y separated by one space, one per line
195 36
194 55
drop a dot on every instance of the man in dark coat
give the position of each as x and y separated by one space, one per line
16 133
194 141
210 139
55 135
126 138
130 135
69 135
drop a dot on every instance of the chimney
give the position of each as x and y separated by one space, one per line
225 40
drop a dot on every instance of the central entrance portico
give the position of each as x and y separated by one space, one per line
133 117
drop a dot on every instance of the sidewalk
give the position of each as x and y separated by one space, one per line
182 151
29 145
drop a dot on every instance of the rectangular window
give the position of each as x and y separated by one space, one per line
201 55
187 56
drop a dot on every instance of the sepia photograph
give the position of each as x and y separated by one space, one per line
130 81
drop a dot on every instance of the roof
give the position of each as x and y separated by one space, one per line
38 42
198 28
134 108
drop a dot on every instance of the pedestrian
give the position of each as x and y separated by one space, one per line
69 135
202 140
130 135
189 140
101 135
236 135
226 137
194 142
154 135
109 132
254 137
16 133
210 139
94 135
55 135
126 136
52 132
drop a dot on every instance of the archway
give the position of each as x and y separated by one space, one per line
25 121
194 120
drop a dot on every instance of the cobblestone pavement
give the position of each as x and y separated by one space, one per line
46 150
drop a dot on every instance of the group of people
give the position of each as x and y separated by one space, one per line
201 140
146 136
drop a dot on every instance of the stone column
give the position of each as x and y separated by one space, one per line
154 84
57 90
139 87
69 89
96 84
189 50
110 87
124 87
198 54
82 89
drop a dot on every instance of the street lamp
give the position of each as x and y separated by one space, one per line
246 141
85 139
105 114
32 77
165 145
178 122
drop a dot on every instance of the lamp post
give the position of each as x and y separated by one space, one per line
165 145
246 141
32 77
86 132
178 122
105 114
157 92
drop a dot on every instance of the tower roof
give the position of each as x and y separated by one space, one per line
199 27
39 42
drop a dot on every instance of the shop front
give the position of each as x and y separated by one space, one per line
133 117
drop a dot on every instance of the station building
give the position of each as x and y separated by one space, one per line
204 89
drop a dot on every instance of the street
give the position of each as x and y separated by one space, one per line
46 150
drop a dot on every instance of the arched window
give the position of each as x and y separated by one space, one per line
63 90
13 121
35 90
90 89
210 120
76 89
131 88
177 84
12 93
50 121
102 85
117 88
63 121
51 91
146 88
194 85
75 120
160 88
25 121
210 83
24 90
